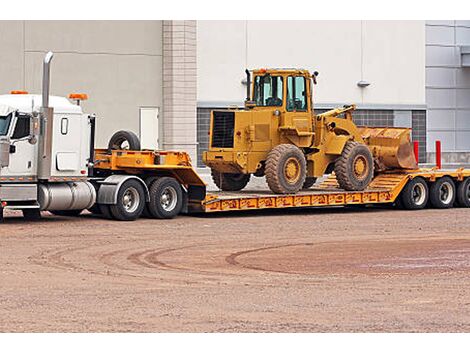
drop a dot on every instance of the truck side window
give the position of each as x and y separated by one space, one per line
296 94
64 126
22 128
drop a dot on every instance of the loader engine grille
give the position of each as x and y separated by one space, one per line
223 129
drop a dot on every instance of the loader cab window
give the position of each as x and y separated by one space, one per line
5 124
268 90
296 94
23 127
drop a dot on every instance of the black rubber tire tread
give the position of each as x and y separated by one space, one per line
434 196
66 212
406 200
309 182
155 209
146 213
31 214
461 199
119 137
274 169
117 210
105 211
230 182
343 167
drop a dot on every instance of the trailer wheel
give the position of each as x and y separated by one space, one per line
286 169
66 212
32 214
415 194
442 193
166 198
124 140
130 201
230 182
354 169
309 182
463 193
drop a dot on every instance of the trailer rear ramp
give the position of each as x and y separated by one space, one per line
386 188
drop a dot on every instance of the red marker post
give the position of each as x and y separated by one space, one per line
416 150
438 155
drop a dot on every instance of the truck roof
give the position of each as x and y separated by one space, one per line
29 102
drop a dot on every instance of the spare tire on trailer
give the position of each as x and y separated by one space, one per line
124 140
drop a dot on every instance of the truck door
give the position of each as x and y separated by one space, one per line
22 152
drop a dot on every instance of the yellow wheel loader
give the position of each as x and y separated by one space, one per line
277 135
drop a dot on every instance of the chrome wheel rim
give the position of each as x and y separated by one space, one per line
446 192
418 194
168 199
131 200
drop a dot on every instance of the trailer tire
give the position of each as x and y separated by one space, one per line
66 212
118 140
442 193
415 194
309 182
463 193
230 182
354 169
130 201
32 214
286 169
166 198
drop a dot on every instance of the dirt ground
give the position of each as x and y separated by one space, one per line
327 270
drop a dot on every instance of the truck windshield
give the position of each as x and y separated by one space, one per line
4 124
268 90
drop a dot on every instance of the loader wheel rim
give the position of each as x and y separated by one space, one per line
292 170
446 193
168 199
360 167
418 194
131 200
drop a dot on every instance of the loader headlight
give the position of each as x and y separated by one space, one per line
277 113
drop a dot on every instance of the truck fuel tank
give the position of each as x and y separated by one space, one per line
66 196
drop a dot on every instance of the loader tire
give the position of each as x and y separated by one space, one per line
463 193
230 182
286 169
124 140
354 169
309 182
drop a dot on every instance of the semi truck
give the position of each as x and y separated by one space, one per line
48 162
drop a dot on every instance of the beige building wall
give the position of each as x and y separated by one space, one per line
117 63
388 54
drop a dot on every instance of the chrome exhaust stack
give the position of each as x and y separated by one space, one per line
45 123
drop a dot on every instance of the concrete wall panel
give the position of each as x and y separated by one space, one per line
441 119
440 35
440 77
11 55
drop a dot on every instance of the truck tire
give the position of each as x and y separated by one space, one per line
414 195
354 169
166 198
230 182
66 212
309 182
286 169
31 214
463 193
442 193
124 140
130 201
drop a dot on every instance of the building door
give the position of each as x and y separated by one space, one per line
149 127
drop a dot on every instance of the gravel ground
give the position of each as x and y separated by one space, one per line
317 270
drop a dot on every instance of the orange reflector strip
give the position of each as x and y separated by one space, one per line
78 96
19 92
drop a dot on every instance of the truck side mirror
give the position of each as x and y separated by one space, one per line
4 152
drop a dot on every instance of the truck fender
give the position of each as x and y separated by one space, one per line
336 144
109 188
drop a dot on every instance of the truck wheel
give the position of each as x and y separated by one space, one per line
230 182
166 198
32 214
463 193
286 169
415 194
354 169
442 193
309 182
66 212
124 140
130 201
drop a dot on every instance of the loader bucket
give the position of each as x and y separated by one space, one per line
391 147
